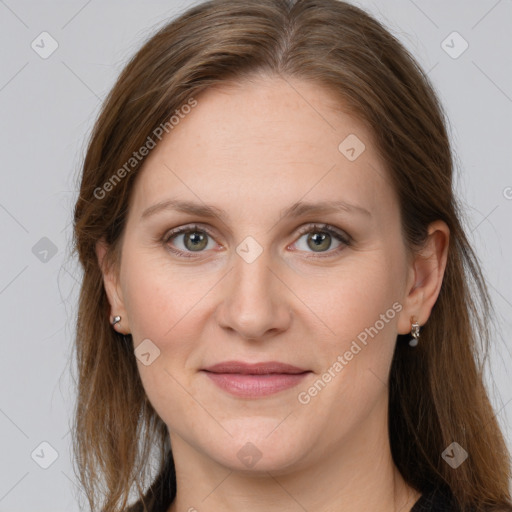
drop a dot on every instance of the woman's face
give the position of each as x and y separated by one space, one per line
261 280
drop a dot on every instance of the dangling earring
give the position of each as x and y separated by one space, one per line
117 319
415 332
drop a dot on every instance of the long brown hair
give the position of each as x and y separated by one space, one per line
436 391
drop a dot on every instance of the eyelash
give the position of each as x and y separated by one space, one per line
345 239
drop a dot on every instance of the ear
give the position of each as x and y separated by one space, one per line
425 277
112 289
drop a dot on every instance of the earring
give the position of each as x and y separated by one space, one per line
117 319
415 332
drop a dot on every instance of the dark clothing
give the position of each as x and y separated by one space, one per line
163 491
435 501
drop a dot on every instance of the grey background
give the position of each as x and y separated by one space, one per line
47 110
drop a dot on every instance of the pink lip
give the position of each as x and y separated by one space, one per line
254 380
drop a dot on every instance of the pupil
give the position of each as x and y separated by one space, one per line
195 239
319 239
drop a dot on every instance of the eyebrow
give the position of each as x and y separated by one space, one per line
296 210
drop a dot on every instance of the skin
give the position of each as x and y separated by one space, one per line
254 150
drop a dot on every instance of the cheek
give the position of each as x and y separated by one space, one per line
160 296
165 304
354 298
362 311
161 305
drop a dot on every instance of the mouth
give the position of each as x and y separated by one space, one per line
254 380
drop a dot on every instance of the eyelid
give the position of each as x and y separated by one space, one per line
185 229
322 226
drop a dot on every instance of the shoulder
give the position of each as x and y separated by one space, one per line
161 493
149 503
136 507
436 500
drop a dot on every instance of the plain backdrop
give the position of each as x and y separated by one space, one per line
48 106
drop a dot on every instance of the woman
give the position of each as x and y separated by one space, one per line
279 301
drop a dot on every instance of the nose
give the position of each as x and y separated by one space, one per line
254 301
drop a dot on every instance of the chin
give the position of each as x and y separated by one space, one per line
259 455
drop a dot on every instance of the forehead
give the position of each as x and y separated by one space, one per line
264 142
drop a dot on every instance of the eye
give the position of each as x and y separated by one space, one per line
320 237
193 239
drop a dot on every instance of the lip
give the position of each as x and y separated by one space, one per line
253 380
262 368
